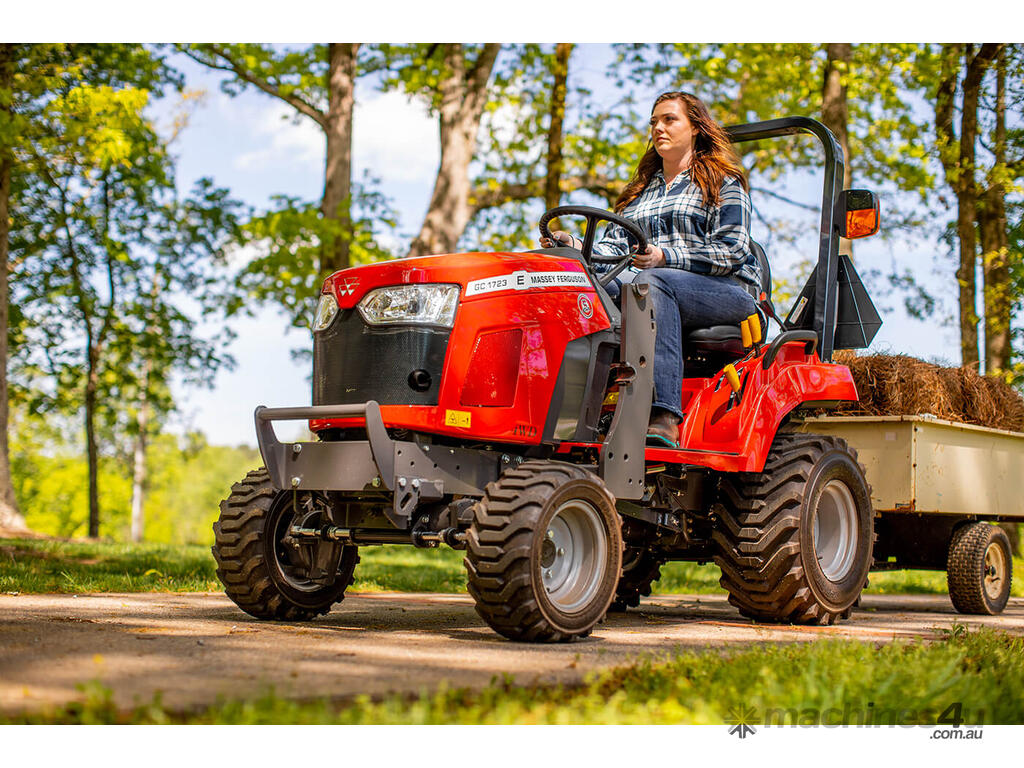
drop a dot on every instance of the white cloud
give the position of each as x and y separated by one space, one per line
395 139
281 139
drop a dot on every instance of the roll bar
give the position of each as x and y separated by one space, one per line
826 300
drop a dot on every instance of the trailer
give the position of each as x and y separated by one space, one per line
936 488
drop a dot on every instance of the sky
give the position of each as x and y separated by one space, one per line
252 145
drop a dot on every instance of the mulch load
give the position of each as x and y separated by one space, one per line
898 385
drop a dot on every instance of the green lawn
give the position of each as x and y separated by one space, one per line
49 565
976 677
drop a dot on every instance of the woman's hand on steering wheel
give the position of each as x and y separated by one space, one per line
594 215
558 237
654 257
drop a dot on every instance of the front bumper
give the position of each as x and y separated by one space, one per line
409 471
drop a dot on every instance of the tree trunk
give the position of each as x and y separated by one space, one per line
92 449
835 112
336 204
967 201
959 167
10 517
552 190
463 97
139 469
994 241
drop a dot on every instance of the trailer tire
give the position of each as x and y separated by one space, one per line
795 541
640 569
253 564
544 552
979 569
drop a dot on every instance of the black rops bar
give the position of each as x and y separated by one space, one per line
826 300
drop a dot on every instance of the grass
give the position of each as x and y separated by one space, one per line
48 565
51 565
807 683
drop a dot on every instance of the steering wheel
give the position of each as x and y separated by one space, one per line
594 215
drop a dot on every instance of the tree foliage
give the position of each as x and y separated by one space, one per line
111 269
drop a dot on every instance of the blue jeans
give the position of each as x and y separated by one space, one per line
685 299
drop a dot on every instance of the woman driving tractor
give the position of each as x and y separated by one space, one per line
689 196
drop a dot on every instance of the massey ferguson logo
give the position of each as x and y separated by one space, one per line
347 287
585 305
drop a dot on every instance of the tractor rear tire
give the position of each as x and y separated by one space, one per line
640 569
256 566
544 552
979 569
795 541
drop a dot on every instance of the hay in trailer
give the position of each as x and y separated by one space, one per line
899 385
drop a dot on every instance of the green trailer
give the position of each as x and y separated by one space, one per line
937 487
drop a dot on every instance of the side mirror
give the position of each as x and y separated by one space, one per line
859 210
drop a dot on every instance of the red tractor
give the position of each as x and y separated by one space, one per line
498 403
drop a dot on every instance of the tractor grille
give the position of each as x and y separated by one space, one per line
398 365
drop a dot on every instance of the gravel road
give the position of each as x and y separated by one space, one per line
194 648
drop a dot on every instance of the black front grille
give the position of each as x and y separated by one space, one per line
396 365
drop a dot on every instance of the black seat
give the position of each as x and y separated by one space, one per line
725 341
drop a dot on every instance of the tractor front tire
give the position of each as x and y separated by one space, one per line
544 552
258 567
795 541
979 569
640 569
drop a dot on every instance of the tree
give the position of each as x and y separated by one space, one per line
452 78
319 83
835 113
97 225
10 516
542 136
998 256
303 242
553 167
958 155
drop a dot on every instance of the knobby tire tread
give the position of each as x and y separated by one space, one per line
239 551
758 545
498 547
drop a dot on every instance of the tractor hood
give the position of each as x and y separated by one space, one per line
478 274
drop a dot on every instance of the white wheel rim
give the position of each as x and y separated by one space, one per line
835 531
574 556
995 571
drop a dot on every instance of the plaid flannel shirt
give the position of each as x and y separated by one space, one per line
693 236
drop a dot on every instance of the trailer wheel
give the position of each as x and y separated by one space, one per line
979 569
640 569
795 541
263 571
544 552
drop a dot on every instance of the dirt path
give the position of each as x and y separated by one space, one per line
195 648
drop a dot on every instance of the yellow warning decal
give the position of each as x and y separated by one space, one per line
457 419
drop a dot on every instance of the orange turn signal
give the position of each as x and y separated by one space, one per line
861 223
860 211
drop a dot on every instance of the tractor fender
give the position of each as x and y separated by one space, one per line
793 385
736 437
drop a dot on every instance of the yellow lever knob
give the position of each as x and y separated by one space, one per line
745 333
732 377
755 328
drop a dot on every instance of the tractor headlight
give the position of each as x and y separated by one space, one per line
325 312
420 304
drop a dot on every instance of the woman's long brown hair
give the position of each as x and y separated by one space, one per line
713 156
